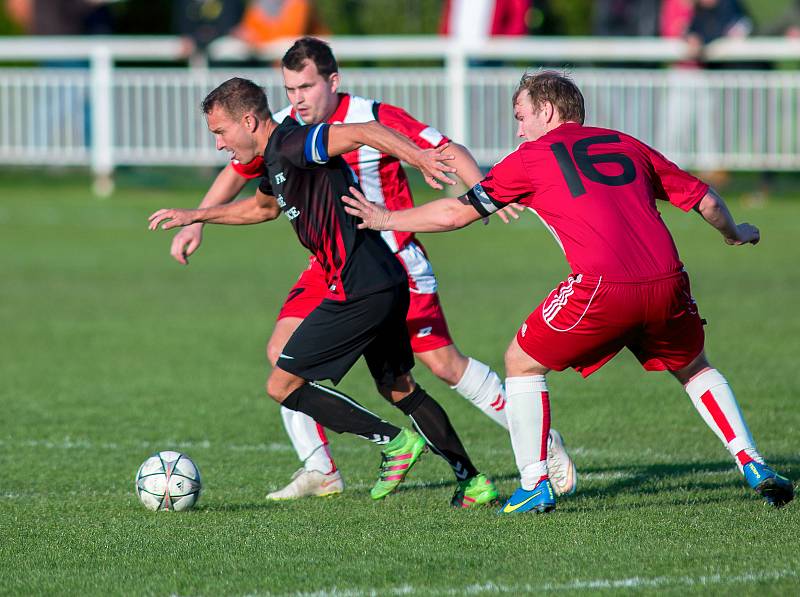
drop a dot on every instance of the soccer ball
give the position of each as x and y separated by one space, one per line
168 481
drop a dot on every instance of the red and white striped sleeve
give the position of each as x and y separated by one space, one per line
425 136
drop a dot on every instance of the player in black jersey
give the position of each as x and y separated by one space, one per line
365 310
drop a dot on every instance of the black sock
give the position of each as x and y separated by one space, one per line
339 413
432 422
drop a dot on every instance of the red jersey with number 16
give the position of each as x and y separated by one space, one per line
596 190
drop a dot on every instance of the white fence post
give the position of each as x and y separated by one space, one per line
101 139
456 65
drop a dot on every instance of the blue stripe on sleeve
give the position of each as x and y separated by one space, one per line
321 150
315 150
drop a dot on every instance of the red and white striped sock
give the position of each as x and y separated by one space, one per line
528 412
481 386
714 400
309 441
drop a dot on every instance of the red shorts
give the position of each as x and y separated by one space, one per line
427 326
586 321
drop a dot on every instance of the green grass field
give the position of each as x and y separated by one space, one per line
111 351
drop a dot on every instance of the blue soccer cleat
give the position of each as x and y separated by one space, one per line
776 490
539 500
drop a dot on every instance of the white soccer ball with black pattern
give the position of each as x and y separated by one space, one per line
168 481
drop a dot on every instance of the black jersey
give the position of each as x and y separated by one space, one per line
308 186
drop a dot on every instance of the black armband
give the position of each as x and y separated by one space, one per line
481 201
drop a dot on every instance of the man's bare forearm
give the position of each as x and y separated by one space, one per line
441 215
238 213
467 168
348 137
714 211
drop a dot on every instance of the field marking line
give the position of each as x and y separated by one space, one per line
634 582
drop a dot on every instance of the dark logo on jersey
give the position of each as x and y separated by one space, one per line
294 294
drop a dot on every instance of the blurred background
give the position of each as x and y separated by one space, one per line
110 85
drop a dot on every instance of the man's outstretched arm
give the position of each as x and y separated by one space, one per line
440 215
714 211
253 210
226 186
343 138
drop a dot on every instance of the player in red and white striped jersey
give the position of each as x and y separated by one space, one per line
311 79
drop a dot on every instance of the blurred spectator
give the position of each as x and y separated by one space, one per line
21 13
675 17
472 21
267 20
62 17
714 19
199 22
612 18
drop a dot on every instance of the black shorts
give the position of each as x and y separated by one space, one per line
331 339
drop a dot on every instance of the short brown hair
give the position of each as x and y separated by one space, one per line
237 97
558 89
313 49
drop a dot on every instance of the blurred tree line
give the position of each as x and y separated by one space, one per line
353 17
387 17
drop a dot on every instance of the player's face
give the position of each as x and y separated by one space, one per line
311 95
532 121
234 136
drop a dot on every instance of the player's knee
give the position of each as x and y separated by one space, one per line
384 390
697 366
398 389
519 363
273 352
276 389
510 360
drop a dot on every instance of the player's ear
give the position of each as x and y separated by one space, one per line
250 122
550 111
333 81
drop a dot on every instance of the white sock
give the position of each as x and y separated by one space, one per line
714 400
309 441
528 411
482 386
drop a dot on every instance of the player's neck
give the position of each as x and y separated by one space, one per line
263 137
336 100
554 125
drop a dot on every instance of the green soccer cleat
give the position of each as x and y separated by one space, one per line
477 491
399 456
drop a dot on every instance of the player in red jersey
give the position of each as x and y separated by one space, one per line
311 79
595 189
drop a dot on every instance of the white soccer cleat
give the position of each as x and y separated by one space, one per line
309 484
560 467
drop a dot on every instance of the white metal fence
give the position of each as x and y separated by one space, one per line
106 115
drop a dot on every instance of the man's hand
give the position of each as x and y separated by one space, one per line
509 212
745 233
185 242
372 215
431 162
171 218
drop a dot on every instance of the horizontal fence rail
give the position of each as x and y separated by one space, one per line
82 107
